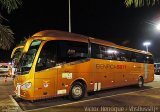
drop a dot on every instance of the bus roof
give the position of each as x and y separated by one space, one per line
62 35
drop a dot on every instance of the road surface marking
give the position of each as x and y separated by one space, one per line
88 100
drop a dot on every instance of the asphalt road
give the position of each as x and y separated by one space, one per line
124 99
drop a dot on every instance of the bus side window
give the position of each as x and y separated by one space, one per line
122 55
109 53
133 57
138 57
95 51
102 52
47 57
149 59
69 51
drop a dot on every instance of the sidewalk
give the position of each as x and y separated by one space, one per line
7 104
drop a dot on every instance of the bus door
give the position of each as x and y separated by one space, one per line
45 81
46 71
65 77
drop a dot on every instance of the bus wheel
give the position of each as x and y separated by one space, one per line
77 91
140 82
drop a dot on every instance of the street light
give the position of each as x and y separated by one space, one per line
147 44
69 15
155 24
158 26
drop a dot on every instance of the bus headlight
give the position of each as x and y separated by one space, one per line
26 86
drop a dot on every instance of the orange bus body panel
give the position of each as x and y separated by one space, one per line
97 74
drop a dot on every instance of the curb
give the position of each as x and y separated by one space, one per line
16 104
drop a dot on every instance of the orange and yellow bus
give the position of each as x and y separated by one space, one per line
56 63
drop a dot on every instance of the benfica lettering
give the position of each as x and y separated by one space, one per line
110 66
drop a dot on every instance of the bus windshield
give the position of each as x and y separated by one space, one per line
27 59
17 53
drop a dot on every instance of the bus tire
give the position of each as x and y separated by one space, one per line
140 82
77 91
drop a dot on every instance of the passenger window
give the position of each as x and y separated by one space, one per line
140 58
133 57
109 53
69 51
137 57
95 51
122 55
47 57
102 52
149 59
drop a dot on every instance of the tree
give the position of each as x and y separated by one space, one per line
140 3
6 34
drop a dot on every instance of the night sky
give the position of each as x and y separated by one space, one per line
105 19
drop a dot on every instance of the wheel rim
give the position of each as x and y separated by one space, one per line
77 91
